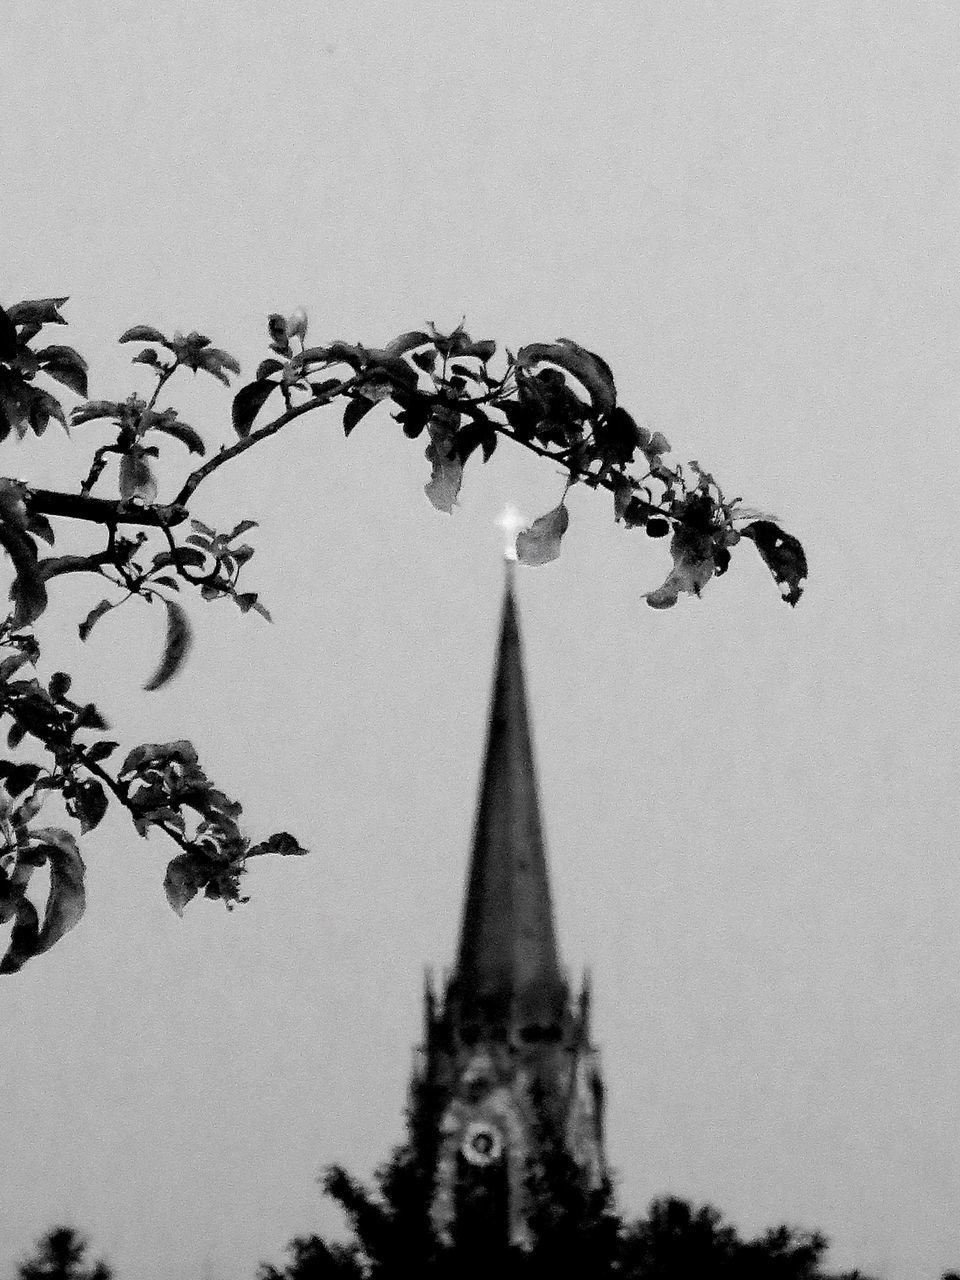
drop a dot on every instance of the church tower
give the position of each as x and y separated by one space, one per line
507 1048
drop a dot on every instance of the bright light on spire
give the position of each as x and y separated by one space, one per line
511 522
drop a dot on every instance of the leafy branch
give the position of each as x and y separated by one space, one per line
556 400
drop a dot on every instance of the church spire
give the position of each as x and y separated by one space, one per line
508 1066
507 967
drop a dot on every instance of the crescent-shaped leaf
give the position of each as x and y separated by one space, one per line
356 409
143 333
406 342
94 409
175 648
184 433
589 370
66 900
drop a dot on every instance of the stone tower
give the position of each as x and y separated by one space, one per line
507 1047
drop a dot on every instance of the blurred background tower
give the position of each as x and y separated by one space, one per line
507 1064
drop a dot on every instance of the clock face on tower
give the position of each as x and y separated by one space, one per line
482 1143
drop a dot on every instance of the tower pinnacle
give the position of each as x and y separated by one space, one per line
507 966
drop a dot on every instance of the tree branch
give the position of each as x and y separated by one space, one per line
108 511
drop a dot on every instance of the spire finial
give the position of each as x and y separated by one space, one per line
511 522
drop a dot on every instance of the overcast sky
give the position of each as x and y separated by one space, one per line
750 211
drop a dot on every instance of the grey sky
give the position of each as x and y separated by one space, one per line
750 211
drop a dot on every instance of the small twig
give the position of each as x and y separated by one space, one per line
168 372
247 442
121 792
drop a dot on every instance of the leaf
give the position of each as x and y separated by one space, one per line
657 444
176 646
425 360
67 899
185 556
146 356
27 591
406 342
693 567
160 754
184 433
94 616
473 436
28 809
243 527
41 527
356 409
42 407
590 370
13 403
101 750
89 804
186 875
59 685
354 355
281 842
215 361
397 371
8 337
617 436
623 497
17 777
277 329
248 600
91 718
95 409
14 880
248 402
446 476
483 350
541 542
12 664
39 311
136 476
782 554
297 324
67 366
23 937
143 333
668 593
267 367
